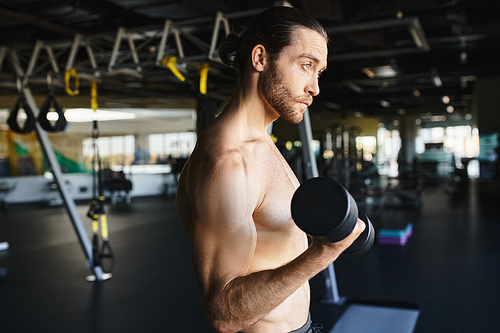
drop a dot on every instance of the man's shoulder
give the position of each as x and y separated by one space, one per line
220 158
222 174
223 164
223 150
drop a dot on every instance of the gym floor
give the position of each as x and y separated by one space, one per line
450 267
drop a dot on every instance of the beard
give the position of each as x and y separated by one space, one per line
279 96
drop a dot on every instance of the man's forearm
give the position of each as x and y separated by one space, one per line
247 299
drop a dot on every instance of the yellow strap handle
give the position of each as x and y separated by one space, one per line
67 78
104 227
203 69
170 63
93 95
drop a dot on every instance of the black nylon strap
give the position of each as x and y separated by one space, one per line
29 124
60 124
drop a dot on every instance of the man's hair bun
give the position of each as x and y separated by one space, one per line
228 49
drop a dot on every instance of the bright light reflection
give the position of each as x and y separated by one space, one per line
87 115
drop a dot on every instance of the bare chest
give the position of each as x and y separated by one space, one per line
279 240
279 184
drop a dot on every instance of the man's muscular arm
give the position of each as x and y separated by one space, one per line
223 241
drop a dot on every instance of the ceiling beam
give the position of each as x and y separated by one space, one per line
38 21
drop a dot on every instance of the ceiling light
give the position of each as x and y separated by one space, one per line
385 104
435 79
438 118
416 93
87 115
450 109
395 122
463 57
468 116
445 99
381 71
418 121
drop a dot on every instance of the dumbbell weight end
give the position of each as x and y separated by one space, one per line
364 242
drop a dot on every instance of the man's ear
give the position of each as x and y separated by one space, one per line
259 57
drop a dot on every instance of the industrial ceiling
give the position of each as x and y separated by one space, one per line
386 57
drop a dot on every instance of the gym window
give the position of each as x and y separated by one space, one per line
165 146
113 150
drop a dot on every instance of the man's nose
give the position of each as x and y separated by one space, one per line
313 87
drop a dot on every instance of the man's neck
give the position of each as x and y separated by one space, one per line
249 106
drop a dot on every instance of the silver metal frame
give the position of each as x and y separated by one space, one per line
78 42
185 28
169 26
122 32
212 54
39 45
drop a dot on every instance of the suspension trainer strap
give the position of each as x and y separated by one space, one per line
43 116
29 124
105 252
96 210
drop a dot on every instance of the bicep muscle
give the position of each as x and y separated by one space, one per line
223 234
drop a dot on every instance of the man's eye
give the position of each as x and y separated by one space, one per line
306 66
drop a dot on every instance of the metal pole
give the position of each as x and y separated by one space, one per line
311 168
305 133
215 34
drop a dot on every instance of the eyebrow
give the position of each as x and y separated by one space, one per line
312 57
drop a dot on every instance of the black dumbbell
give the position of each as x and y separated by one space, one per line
324 209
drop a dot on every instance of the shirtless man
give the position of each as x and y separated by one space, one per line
252 262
